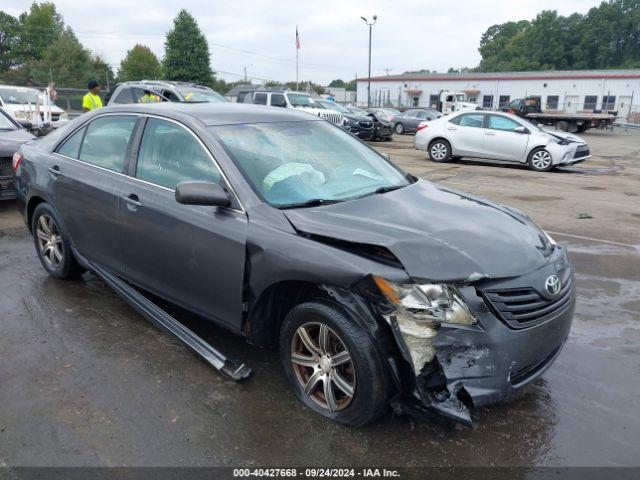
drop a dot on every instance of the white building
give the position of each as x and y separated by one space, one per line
572 90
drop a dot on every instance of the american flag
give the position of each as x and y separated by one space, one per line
297 39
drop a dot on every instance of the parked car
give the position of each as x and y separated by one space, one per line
355 123
499 136
382 129
12 135
377 287
21 103
408 121
297 100
166 91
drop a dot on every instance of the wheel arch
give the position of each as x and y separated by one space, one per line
33 202
441 138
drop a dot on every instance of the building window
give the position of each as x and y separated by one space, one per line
608 102
504 101
433 100
590 102
552 102
487 101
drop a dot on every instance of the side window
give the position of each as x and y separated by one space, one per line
105 143
169 154
456 120
472 120
277 100
260 98
71 146
171 96
124 96
421 115
502 123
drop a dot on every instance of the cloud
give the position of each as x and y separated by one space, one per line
260 34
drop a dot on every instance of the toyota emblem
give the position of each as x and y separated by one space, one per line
552 284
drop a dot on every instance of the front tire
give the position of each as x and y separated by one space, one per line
540 160
333 364
440 151
399 128
52 244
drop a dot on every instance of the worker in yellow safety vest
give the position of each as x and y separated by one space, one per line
92 100
149 97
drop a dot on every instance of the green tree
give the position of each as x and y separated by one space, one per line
139 64
39 27
103 72
186 55
9 40
66 61
337 83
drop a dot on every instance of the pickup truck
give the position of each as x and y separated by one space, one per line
529 108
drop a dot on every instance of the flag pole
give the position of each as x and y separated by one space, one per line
297 51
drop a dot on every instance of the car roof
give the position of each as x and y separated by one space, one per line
215 113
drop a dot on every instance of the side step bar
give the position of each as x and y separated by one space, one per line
230 368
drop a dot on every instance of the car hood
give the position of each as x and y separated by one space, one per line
437 234
354 117
10 140
565 136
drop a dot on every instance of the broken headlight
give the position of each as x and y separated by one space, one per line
428 302
420 309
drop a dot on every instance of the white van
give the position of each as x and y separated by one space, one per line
21 103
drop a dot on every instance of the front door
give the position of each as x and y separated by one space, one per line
501 140
467 134
86 175
193 256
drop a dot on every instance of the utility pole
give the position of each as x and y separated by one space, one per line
387 71
370 24
246 79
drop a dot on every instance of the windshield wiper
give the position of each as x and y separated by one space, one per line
314 202
388 188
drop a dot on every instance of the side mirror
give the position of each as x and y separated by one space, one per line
25 124
202 193
521 129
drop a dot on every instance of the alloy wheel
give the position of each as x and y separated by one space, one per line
49 241
399 129
323 366
438 151
541 159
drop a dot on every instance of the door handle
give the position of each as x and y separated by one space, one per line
451 128
132 201
489 133
55 171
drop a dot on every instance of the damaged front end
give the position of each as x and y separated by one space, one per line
415 312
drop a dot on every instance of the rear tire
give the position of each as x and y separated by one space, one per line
540 160
52 244
563 126
358 388
440 151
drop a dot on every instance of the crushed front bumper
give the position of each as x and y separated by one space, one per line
492 361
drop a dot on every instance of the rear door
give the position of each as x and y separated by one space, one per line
466 134
85 180
502 142
193 256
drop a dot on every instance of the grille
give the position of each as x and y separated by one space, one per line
525 307
54 116
335 118
582 151
365 124
6 167
528 371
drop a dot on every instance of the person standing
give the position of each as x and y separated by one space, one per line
92 100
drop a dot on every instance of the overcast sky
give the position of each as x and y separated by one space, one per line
260 34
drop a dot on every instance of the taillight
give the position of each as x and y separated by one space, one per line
17 160
421 126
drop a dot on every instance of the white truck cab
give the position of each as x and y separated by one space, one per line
451 101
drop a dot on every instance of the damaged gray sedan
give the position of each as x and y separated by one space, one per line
379 289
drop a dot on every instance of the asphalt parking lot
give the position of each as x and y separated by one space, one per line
84 380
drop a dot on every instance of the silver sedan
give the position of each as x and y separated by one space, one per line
498 136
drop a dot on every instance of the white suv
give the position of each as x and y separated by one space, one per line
298 100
